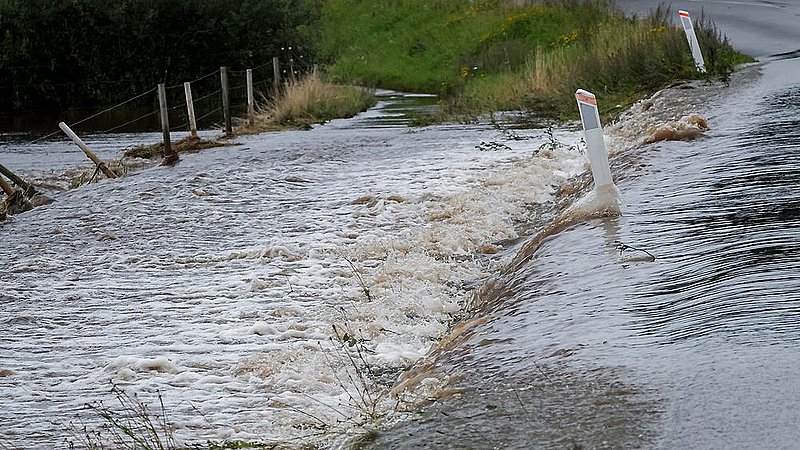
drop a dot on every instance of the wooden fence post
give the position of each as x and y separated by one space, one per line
251 105
226 100
28 190
68 131
291 71
162 104
187 89
15 203
27 187
276 76
6 187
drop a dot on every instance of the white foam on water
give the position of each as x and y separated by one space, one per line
240 283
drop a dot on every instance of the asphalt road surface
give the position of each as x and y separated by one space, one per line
757 28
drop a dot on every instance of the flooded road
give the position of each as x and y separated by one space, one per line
239 284
218 283
674 325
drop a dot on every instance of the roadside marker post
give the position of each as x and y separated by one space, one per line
686 21
593 133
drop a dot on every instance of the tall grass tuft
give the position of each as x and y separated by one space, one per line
312 100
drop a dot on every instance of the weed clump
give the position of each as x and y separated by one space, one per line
308 101
186 145
130 424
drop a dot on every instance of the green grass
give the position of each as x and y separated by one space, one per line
486 56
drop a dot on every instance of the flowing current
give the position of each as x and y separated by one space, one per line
236 284
674 325
218 283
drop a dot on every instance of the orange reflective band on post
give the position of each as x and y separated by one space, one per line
683 13
586 99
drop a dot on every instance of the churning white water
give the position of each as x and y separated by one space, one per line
238 284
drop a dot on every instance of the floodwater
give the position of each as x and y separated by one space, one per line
217 283
674 325
253 286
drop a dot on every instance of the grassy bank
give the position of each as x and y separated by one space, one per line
489 55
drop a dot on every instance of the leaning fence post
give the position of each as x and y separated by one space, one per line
187 89
15 201
100 164
276 76
162 104
6 187
226 100
251 107
27 187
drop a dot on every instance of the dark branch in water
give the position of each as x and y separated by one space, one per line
622 247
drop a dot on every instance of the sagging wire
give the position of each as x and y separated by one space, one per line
113 107
218 109
35 141
96 171
180 85
207 96
129 122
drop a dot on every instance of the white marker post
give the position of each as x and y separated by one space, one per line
686 21
593 133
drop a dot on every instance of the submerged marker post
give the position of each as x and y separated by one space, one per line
691 37
593 133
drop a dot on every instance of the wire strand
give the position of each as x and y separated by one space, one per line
128 122
206 115
113 107
195 80
207 96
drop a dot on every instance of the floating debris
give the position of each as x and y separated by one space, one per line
491 145
688 128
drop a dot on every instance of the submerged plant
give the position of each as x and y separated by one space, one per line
361 379
131 426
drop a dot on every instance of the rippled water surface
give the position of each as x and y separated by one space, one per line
224 283
674 325
216 283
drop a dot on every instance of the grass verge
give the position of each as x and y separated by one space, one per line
493 55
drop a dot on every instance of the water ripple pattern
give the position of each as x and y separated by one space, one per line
674 325
216 283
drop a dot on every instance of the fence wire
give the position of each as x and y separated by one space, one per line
207 97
